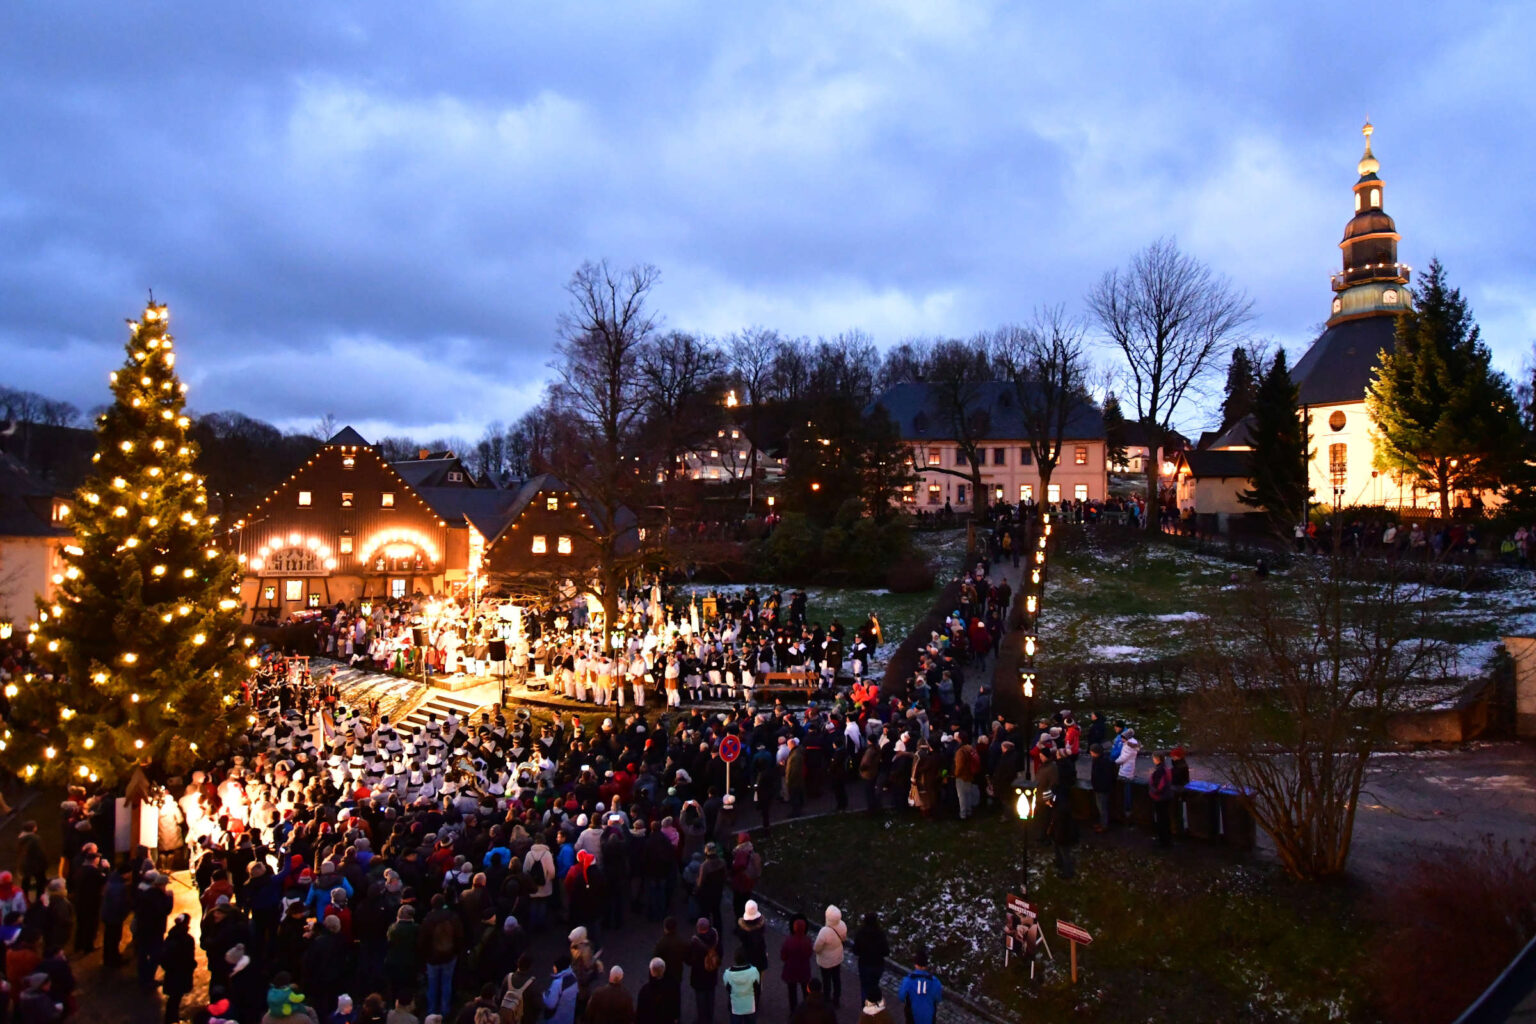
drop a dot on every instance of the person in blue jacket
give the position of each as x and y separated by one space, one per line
921 991
560 996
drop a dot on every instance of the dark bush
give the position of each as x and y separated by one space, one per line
1451 921
910 575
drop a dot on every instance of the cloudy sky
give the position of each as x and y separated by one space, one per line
371 208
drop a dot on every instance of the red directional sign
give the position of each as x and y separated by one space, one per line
1073 933
730 749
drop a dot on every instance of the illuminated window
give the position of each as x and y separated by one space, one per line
552 503
293 590
907 495
1026 492
1375 197
60 511
387 499
397 588
348 462
346 499
1080 455
935 494
314 600
998 494
1338 463
1053 493
1080 492
269 593
563 546
1359 203
933 456
539 546
735 435
346 545
306 499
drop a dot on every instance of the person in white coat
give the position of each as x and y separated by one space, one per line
1130 748
829 954
539 854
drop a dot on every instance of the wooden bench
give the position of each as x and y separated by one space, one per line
804 682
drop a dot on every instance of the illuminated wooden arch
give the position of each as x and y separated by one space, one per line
394 542
277 546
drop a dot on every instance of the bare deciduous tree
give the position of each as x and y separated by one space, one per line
958 373
682 377
1045 363
1173 319
750 361
599 392
1296 696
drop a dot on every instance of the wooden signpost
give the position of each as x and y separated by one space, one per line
1074 935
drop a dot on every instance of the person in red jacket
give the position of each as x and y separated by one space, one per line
795 954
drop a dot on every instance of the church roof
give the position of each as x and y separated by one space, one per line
1342 361
915 409
348 436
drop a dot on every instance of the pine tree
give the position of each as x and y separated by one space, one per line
1278 462
141 641
1443 416
1114 430
1242 388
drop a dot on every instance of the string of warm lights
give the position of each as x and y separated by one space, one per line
102 705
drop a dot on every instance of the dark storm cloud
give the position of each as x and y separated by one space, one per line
371 209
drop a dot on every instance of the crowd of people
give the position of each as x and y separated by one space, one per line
347 869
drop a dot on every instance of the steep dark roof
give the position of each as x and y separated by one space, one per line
918 416
433 471
348 436
26 503
488 509
1216 463
1238 435
1341 362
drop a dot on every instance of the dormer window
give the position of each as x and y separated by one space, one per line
454 476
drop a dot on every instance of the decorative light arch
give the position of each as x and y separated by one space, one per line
392 543
278 543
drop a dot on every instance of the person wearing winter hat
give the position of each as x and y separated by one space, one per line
829 953
1126 760
344 1012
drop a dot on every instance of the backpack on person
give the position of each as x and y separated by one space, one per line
536 872
755 866
712 958
511 1009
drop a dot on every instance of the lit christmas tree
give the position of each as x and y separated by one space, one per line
140 646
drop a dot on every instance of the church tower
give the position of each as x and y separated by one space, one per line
1369 293
1372 281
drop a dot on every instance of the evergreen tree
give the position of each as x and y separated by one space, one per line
1278 470
1242 388
1114 430
1443 416
141 641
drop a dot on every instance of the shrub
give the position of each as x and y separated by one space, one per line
1457 916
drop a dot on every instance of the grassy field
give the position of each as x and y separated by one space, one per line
1146 601
1191 934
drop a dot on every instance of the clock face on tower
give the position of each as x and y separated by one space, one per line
1338 304
1389 296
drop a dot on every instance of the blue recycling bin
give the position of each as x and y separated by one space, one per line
1202 810
1237 826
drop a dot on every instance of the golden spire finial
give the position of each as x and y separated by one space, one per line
1368 162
